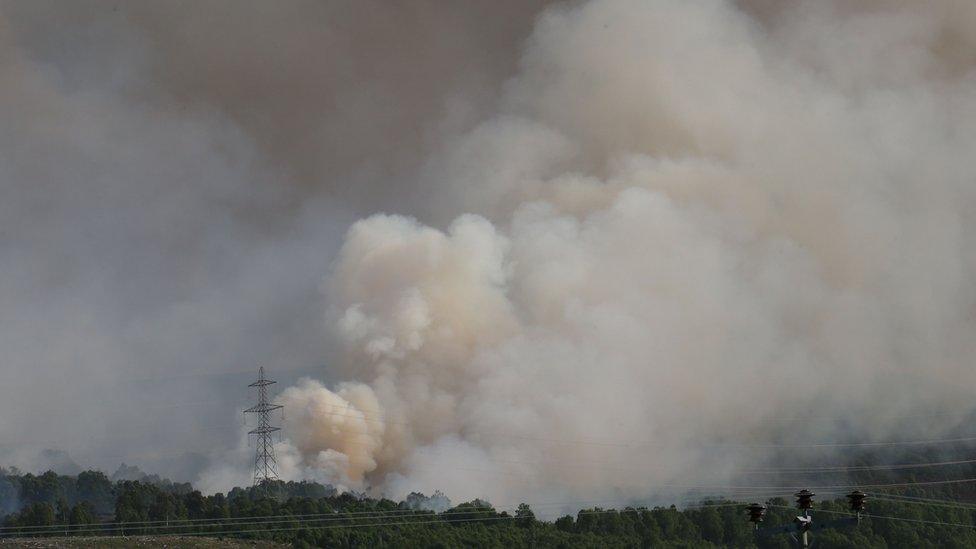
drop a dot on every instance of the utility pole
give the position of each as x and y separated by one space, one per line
265 464
804 502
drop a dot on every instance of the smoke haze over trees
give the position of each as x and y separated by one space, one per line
603 248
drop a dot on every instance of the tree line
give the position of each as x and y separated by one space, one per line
308 514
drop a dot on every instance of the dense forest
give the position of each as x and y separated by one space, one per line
307 514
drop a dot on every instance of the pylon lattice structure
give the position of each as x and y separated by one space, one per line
265 463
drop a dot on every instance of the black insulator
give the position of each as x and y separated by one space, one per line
804 499
857 499
756 512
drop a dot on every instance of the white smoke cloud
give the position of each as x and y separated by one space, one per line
331 431
686 222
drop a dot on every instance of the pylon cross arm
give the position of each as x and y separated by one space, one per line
263 430
263 408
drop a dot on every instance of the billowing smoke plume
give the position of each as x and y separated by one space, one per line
686 223
623 245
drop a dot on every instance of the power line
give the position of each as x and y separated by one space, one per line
307 523
240 521
697 502
840 468
639 444
486 519
200 374
850 468
445 521
648 444
888 517
919 498
892 485
920 521
319 368
900 498
223 520
370 518
278 519
951 505
592 465
835 487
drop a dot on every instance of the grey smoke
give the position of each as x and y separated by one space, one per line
174 181
597 240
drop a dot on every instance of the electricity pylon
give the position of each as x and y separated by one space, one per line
265 464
